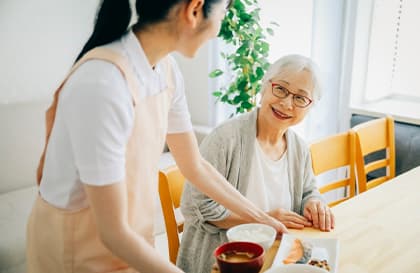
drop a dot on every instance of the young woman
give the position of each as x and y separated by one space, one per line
105 131
262 158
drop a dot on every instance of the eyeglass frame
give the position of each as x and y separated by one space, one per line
288 93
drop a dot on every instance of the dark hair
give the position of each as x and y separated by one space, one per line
150 12
111 23
114 16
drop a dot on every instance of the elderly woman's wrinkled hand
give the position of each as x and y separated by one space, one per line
319 214
290 219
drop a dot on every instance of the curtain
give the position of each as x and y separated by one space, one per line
331 114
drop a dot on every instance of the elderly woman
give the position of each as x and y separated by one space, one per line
265 160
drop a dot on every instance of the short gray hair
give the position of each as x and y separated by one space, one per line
290 64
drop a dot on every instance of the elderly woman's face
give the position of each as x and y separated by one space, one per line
281 111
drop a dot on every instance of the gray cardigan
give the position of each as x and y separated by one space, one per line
229 148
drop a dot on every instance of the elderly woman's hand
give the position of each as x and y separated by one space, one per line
289 218
320 214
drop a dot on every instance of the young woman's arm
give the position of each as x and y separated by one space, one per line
207 179
109 206
289 218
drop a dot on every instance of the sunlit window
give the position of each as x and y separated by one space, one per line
394 50
386 59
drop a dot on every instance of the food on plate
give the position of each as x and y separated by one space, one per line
300 253
320 263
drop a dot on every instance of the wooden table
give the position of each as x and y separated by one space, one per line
378 231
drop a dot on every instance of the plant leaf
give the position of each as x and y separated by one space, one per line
260 72
215 73
217 93
247 105
246 57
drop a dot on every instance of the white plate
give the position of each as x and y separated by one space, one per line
323 248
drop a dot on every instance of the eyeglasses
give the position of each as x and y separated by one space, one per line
282 92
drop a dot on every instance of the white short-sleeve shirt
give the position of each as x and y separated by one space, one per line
94 120
269 183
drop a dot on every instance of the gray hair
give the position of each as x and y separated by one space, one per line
291 64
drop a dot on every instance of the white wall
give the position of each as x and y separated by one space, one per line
294 33
196 78
40 40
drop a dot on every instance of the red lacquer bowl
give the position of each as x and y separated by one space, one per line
239 257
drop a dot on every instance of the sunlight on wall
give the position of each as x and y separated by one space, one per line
294 33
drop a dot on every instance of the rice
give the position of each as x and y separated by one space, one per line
256 235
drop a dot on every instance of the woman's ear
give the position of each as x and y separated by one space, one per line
194 12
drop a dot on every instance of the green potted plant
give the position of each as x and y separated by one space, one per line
241 29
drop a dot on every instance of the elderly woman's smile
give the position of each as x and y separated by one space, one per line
279 114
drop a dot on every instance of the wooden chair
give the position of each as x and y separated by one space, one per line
372 136
331 153
171 184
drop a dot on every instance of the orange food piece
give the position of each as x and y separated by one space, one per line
295 254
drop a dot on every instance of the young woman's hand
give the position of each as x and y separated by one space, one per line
290 218
320 214
275 223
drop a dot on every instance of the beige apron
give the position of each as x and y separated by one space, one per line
60 241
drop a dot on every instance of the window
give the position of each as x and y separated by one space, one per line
386 49
393 50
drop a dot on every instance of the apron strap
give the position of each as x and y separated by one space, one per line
99 53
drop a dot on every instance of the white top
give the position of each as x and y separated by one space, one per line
94 120
269 181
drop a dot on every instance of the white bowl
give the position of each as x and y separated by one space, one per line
257 233
296 268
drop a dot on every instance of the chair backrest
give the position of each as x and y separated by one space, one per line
332 153
372 136
171 184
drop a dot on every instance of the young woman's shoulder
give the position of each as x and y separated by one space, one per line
171 64
98 86
98 70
